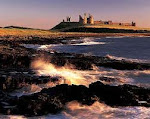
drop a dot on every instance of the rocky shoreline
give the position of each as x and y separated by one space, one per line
16 73
57 37
53 100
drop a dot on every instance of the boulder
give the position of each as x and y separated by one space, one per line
53 100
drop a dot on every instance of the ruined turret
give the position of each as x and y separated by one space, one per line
133 24
68 19
90 19
85 19
80 19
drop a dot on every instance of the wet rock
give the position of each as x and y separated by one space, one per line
83 62
123 95
107 79
17 81
14 61
53 100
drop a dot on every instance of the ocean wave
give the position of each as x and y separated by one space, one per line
91 43
100 110
128 59
68 75
39 47
75 110
116 37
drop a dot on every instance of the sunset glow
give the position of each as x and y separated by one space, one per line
45 14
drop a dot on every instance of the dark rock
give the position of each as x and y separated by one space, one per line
17 81
83 62
14 61
107 79
125 95
53 100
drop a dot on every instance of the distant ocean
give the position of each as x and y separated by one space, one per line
136 48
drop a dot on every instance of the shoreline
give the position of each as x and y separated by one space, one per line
57 38
57 34
74 34
16 74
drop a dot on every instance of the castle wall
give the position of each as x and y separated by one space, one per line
90 20
80 19
113 23
98 22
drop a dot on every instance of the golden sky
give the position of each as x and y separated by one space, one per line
47 13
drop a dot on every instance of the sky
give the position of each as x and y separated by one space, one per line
45 14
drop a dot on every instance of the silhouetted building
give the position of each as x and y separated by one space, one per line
89 20
68 19
133 24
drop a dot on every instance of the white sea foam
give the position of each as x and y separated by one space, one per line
89 41
39 47
75 110
127 59
68 75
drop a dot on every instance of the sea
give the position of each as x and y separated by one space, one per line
135 49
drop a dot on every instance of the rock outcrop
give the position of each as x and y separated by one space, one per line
53 100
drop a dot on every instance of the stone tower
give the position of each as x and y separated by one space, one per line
133 24
68 19
85 19
90 19
80 19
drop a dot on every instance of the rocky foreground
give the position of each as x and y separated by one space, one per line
15 63
14 56
53 100
15 73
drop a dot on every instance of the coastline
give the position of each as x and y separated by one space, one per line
54 34
50 93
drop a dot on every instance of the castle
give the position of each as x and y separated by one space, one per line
86 20
89 20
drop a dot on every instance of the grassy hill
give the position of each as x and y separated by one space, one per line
76 27
17 27
66 25
116 27
71 31
24 32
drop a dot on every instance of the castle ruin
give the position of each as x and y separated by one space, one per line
86 20
89 20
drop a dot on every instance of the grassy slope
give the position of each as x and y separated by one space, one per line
56 34
99 26
116 27
32 32
24 32
35 32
